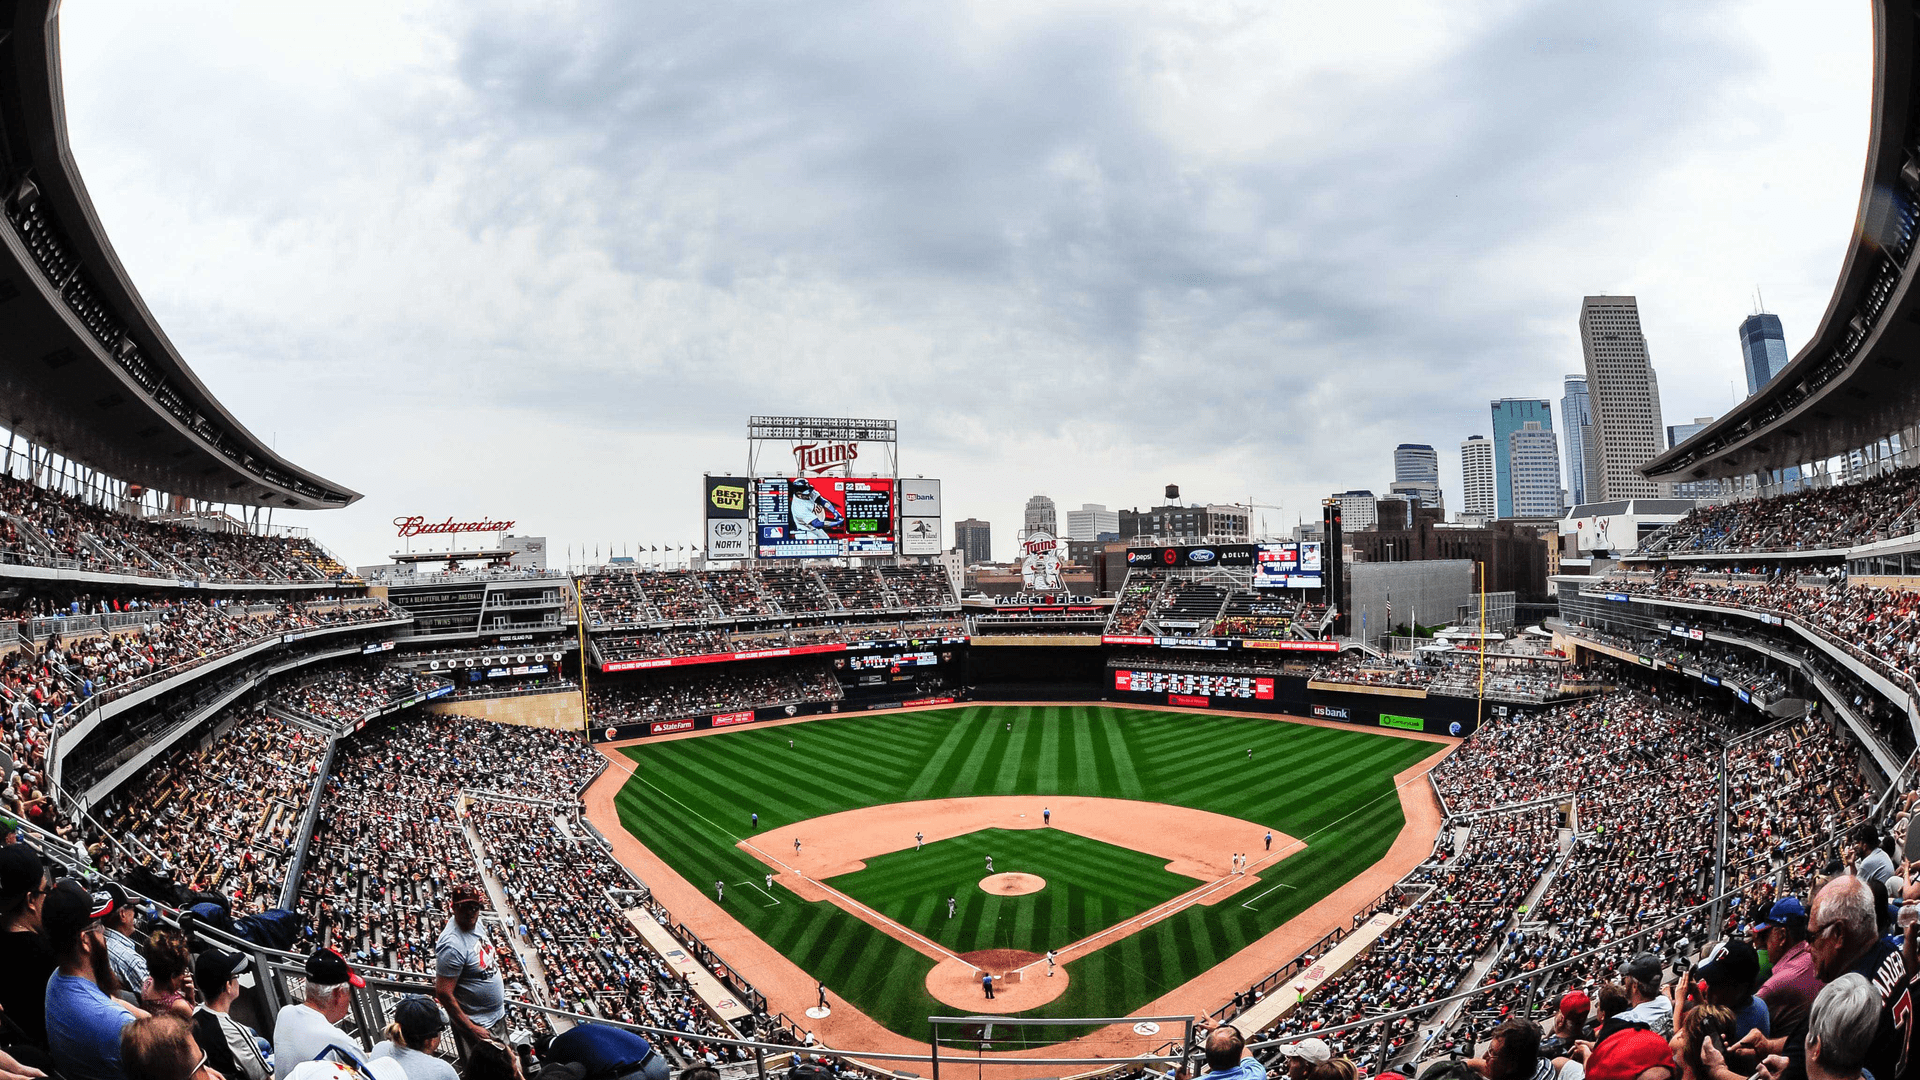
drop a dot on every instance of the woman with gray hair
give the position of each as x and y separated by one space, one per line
1841 1028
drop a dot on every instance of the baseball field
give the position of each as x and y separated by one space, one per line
862 906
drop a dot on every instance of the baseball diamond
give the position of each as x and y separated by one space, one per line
1329 791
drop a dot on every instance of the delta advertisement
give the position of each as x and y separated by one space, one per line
729 534
815 517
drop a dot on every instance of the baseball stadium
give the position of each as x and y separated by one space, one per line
813 800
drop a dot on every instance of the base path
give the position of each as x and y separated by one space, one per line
791 990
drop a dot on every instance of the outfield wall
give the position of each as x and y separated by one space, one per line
1294 695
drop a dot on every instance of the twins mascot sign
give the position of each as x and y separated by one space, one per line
1040 563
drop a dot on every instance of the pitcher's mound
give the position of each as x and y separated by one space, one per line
1013 884
956 981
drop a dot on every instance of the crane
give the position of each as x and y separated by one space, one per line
1252 508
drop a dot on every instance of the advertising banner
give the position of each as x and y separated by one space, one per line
1199 557
1250 687
729 719
919 535
823 516
920 498
729 517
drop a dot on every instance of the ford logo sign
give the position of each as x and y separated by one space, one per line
1200 555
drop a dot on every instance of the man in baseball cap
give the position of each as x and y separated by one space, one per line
1304 1055
1634 1054
305 1030
233 1049
1791 983
83 1017
467 979
1730 976
1646 1004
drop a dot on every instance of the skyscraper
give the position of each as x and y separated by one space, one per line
1476 474
1416 472
1358 509
974 538
1624 394
1040 516
1576 420
1763 347
1092 521
1511 415
1534 460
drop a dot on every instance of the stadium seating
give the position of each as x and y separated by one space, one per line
1813 520
729 688
638 598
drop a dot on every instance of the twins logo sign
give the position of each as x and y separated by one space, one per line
1040 563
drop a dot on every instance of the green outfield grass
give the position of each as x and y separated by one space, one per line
1090 886
689 801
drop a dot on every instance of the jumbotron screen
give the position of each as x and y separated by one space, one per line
816 517
1287 566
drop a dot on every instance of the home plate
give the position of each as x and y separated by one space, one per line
1146 1027
818 1013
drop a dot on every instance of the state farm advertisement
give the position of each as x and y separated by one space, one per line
663 727
1247 687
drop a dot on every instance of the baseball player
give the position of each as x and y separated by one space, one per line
1049 963
950 906
796 845
1249 753
756 820
1269 839
812 514
769 882
822 988
989 864
919 840
789 744
720 890
1046 816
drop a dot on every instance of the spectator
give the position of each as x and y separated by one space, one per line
1845 1027
233 1050
1302 1056
1514 1054
1792 983
1871 861
83 1016
1632 1054
1730 977
413 1038
304 1031
1705 1033
162 1048
1569 1025
467 972
492 1061
605 1052
1646 1004
1224 1046
166 989
128 965
1845 937
25 954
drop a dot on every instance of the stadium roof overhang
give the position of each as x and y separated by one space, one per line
85 369
1858 378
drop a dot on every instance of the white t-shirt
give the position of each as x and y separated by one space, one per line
301 1033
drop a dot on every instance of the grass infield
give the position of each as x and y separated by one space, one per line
689 801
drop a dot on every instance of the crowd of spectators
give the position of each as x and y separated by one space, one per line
344 695
1811 520
707 641
712 689
620 597
220 817
38 526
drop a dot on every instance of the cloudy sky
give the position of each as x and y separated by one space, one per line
541 262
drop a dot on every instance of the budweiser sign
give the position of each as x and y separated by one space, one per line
420 526
821 457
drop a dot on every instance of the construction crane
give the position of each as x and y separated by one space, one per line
1253 508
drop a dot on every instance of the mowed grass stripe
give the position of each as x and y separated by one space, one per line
1304 778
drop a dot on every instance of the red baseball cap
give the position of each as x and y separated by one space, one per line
1576 1003
1624 1055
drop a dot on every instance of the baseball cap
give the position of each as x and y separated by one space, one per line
1645 967
1314 1050
467 893
1624 1055
1576 1003
419 1019
329 968
1735 962
1783 912
69 910
212 969
20 874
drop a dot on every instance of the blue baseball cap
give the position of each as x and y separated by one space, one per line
1783 912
